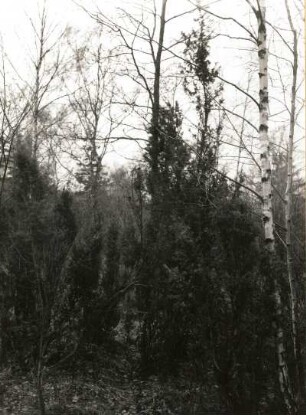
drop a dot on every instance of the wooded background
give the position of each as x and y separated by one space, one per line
174 284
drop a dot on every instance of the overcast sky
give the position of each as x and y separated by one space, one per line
234 57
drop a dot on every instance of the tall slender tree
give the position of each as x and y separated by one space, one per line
267 213
292 277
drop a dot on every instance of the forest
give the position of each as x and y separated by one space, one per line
152 210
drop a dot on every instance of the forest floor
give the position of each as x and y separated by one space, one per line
105 386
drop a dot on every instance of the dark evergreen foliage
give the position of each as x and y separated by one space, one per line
167 264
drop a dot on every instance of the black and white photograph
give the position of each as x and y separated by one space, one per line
152 207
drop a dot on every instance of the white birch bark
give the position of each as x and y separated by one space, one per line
266 183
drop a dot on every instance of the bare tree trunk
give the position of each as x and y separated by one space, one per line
283 373
288 216
41 33
39 377
241 144
41 296
266 185
34 140
266 182
156 95
157 63
44 76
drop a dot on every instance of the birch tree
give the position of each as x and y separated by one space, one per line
290 386
292 397
267 215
